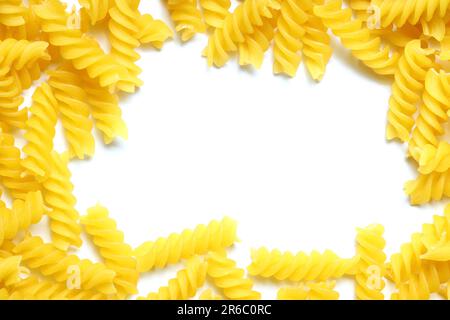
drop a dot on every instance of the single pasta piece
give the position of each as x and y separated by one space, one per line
434 158
40 131
208 294
301 266
428 187
215 11
310 291
10 101
287 40
316 47
371 269
177 246
83 51
58 196
96 10
354 36
432 113
230 279
184 285
9 270
187 18
74 111
151 31
52 262
21 216
116 254
122 27
11 170
406 90
105 111
241 22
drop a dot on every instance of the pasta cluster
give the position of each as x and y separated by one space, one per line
407 41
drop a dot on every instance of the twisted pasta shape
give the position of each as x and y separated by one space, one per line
432 113
116 254
434 158
354 36
11 13
11 170
177 246
26 77
230 279
187 18
236 25
184 285
96 10
40 131
310 291
439 252
316 47
208 294
105 111
301 266
122 28
52 262
10 101
83 51
9 270
369 279
74 111
151 31
287 39
399 12
215 11
408 84
435 28
58 196
21 216
428 187
20 54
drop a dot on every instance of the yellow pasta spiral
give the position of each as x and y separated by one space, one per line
242 21
356 37
10 101
230 279
97 10
164 251
74 111
432 113
122 27
116 254
105 111
184 285
11 13
40 131
301 266
310 291
434 158
287 39
316 47
20 54
58 196
187 18
406 90
11 170
151 31
26 77
9 270
371 270
84 52
428 187
215 11
21 216
52 262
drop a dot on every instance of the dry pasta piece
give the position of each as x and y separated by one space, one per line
151 31
187 18
9 270
116 254
184 285
371 269
310 291
301 266
230 279
11 115
215 11
52 262
96 10
58 196
428 187
164 251
434 158
11 13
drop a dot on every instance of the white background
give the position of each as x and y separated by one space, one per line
299 164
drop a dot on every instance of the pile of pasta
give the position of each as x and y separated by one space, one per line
407 41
